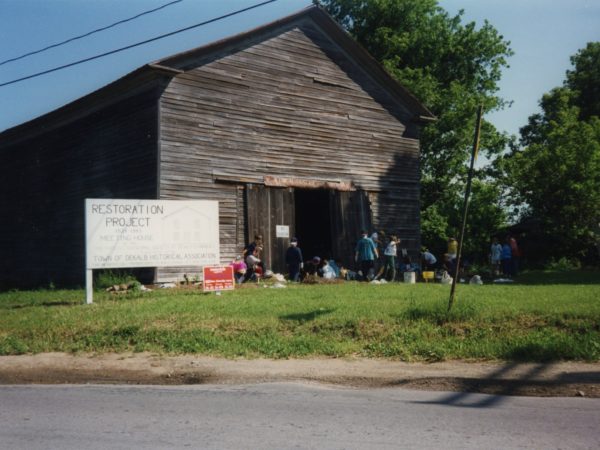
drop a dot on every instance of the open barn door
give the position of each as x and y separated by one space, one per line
350 213
329 221
267 208
313 222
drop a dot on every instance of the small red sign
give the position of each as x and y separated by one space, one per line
218 278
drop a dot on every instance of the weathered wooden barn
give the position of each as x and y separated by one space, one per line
291 124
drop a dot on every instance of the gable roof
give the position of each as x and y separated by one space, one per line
151 74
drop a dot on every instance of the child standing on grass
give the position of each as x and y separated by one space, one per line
495 256
506 259
389 267
516 254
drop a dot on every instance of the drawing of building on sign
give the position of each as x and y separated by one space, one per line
187 226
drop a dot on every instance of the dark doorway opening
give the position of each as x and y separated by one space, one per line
313 222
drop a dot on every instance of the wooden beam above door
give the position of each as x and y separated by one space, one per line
308 183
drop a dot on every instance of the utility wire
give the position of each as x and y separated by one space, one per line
35 52
162 36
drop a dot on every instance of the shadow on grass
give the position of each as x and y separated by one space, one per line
44 304
437 314
552 350
307 316
557 277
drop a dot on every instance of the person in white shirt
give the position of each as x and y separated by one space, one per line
253 262
390 252
495 256
327 271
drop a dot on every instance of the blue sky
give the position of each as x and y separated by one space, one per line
543 34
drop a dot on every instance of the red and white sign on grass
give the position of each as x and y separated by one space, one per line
218 278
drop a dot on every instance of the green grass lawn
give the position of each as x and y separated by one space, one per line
533 320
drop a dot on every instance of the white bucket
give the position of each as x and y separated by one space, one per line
409 277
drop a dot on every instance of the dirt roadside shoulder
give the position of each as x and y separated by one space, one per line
534 379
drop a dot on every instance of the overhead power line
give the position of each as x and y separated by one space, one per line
35 52
162 36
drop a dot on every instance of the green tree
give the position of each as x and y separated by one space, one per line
584 80
555 175
434 229
486 218
452 67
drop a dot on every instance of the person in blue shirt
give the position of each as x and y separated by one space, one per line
365 254
428 260
335 267
506 259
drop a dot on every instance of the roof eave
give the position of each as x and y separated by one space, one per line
143 77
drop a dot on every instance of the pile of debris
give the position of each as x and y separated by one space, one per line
130 286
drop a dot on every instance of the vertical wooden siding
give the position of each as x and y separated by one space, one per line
268 207
291 105
45 179
349 217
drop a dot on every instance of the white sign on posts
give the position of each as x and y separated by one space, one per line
150 233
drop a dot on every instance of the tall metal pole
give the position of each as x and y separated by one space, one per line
466 204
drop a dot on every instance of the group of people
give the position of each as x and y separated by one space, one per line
367 254
298 269
377 257
374 255
248 266
504 258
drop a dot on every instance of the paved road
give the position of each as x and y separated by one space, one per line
287 415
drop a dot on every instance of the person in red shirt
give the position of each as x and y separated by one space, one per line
515 253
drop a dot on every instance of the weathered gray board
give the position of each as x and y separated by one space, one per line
296 98
293 104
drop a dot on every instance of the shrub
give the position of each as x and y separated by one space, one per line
107 278
564 264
